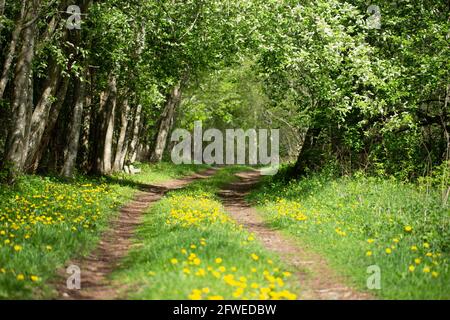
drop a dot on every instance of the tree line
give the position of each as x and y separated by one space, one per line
355 88
95 96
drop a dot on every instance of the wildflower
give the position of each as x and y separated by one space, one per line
186 271
205 290
370 241
411 268
183 251
34 278
417 260
173 261
215 298
200 272
408 228
218 260
429 254
426 270
426 245
254 256
434 274
196 261
17 247
20 277
413 248
388 250
395 240
369 253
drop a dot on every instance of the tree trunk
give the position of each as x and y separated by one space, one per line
86 128
41 113
74 134
306 157
166 124
16 143
121 148
109 127
135 138
12 50
53 117
2 7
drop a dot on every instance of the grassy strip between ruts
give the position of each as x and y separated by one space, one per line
189 248
357 222
44 221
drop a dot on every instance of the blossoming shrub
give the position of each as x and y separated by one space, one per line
358 222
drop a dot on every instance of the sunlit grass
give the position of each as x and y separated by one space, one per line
189 248
45 221
358 222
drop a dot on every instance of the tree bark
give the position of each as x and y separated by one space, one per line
135 135
2 7
12 49
165 124
53 117
68 167
121 148
15 154
306 156
41 113
109 126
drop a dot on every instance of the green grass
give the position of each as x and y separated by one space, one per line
44 221
192 223
356 222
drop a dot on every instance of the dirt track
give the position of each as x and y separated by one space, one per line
116 242
317 280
